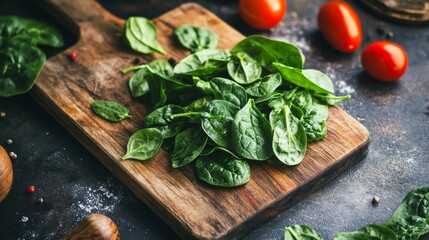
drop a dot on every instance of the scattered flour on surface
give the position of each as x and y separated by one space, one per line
96 200
343 88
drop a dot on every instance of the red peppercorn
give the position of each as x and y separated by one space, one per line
73 56
31 189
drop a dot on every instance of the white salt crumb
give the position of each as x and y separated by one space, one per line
24 219
360 119
343 87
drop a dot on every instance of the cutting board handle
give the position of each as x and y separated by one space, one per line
78 14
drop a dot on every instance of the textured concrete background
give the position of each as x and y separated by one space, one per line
74 184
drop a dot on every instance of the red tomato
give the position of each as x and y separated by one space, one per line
340 26
262 14
384 60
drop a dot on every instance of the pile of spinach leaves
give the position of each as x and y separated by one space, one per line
409 222
221 108
21 60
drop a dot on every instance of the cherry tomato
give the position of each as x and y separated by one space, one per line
340 26
262 14
384 60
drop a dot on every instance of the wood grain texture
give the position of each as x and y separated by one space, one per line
193 209
94 226
6 174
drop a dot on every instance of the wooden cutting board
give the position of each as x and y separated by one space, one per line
193 209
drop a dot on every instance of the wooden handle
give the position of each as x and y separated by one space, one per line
94 226
78 15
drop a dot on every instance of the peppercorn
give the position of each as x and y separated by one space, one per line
172 61
9 141
73 56
375 200
31 189
13 155
137 61
40 200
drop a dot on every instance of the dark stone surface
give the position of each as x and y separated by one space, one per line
74 184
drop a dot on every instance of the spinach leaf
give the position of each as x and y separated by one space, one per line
369 232
160 118
143 144
228 90
268 97
301 232
267 51
264 86
20 65
19 29
411 219
218 120
251 133
141 35
156 70
199 104
309 78
203 63
138 83
208 150
188 146
20 60
203 86
222 171
110 111
244 69
158 93
196 38
330 99
289 139
314 121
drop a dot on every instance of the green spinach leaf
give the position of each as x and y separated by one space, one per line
110 111
20 60
411 219
314 121
289 139
244 69
20 65
330 99
309 78
208 150
203 63
251 133
228 90
198 105
19 29
218 120
203 86
144 144
267 51
301 232
187 146
141 35
196 38
138 83
161 119
369 232
222 171
264 86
